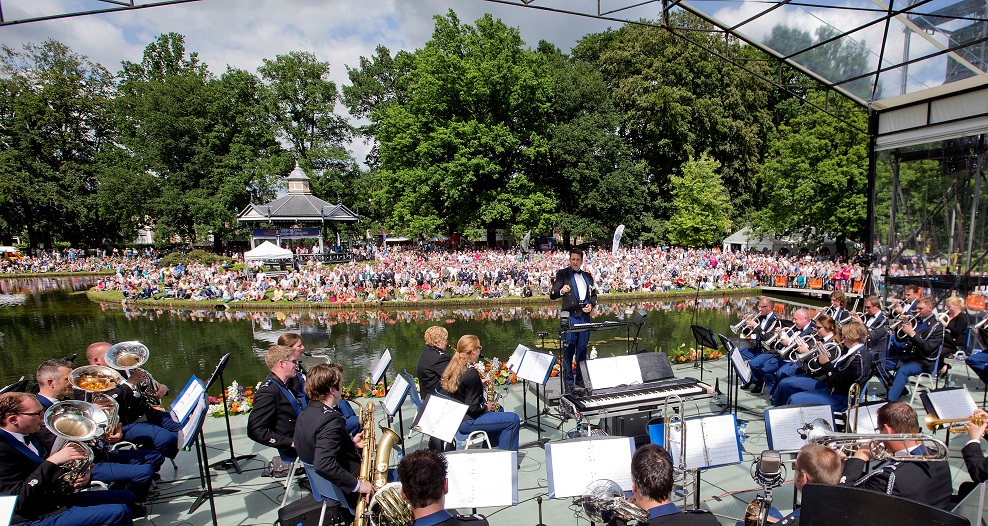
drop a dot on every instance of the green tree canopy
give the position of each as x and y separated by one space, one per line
701 205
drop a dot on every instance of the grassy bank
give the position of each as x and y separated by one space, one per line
116 297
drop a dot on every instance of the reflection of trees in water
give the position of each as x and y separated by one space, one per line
373 321
36 286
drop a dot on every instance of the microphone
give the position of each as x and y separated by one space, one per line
767 469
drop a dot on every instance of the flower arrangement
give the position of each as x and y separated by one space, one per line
502 375
239 400
683 354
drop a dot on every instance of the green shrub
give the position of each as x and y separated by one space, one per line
195 256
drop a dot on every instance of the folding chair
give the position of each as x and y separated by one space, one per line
325 491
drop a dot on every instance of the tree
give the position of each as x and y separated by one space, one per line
54 123
206 142
467 146
701 205
835 61
815 177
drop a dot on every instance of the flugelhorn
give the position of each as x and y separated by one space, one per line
130 356
604 500
810 361
820 432
741 329
791 352
955 425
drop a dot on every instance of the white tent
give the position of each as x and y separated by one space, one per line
266 251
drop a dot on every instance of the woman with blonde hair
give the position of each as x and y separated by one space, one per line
462 382
955 333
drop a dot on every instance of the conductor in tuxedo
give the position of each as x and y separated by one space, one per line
321 438
576 288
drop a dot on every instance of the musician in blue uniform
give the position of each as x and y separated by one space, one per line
297 383
277 404
830 386
576 287
651 484
424 485
918 348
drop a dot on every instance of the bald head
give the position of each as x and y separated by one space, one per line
96 352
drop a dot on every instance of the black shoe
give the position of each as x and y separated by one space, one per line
746 386
138 510
757 389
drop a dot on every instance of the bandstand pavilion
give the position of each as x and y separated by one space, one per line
297 215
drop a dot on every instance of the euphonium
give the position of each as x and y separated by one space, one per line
75 422
819 432
130 356
388 508
604 500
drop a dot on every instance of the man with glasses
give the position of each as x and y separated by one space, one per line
765 370
762 328
277 404
876 323
30 472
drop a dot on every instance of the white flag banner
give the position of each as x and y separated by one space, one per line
617 239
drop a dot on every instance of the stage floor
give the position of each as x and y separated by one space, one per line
254 500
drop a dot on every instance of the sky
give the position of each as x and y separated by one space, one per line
241 33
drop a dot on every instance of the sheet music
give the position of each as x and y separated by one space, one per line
7 505
742 366
615 371
952 403
186 400
782 424
188 431
536 367
396 395
440 417
573 464
381 367
868 419
480 478
515 360
710 441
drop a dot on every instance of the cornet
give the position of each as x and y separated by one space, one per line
955 425
741 329
900 322
820 432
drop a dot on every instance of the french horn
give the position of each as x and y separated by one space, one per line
389 508
130 356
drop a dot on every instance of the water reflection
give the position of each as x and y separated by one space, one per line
55 321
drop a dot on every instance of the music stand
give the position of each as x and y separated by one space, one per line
533 367
393 400
828 505
233 461
733 385
206 490
380 374
704 337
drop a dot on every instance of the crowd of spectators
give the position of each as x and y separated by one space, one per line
402 273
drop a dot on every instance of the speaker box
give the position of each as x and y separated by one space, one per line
305 512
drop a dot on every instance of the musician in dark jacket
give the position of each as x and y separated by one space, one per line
836 376
30 472
955 333
277 405
919 351
462 382
433 360
321 437
974 459
651 484
424 485
924 482
576 287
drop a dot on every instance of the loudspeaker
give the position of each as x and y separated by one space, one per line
305 512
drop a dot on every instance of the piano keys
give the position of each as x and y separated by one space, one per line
596 326
631 399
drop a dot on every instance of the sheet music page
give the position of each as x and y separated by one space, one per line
7 505
396 395
710 441
615 371
952 403
744 369
868 419
573 464
535 367
186 400
381 367
440 417
482 478
782 424
188 431
516 357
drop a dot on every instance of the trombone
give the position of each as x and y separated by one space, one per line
820 432
681 472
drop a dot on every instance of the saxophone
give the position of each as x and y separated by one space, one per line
374 463
490 388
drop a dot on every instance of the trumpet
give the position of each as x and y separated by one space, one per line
981 323
820 432
954 425
741 329
604 500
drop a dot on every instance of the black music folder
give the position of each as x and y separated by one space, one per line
652 366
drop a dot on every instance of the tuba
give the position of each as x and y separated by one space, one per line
130 356
374 468
604 501
75 424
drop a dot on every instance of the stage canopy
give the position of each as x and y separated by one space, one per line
268 251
